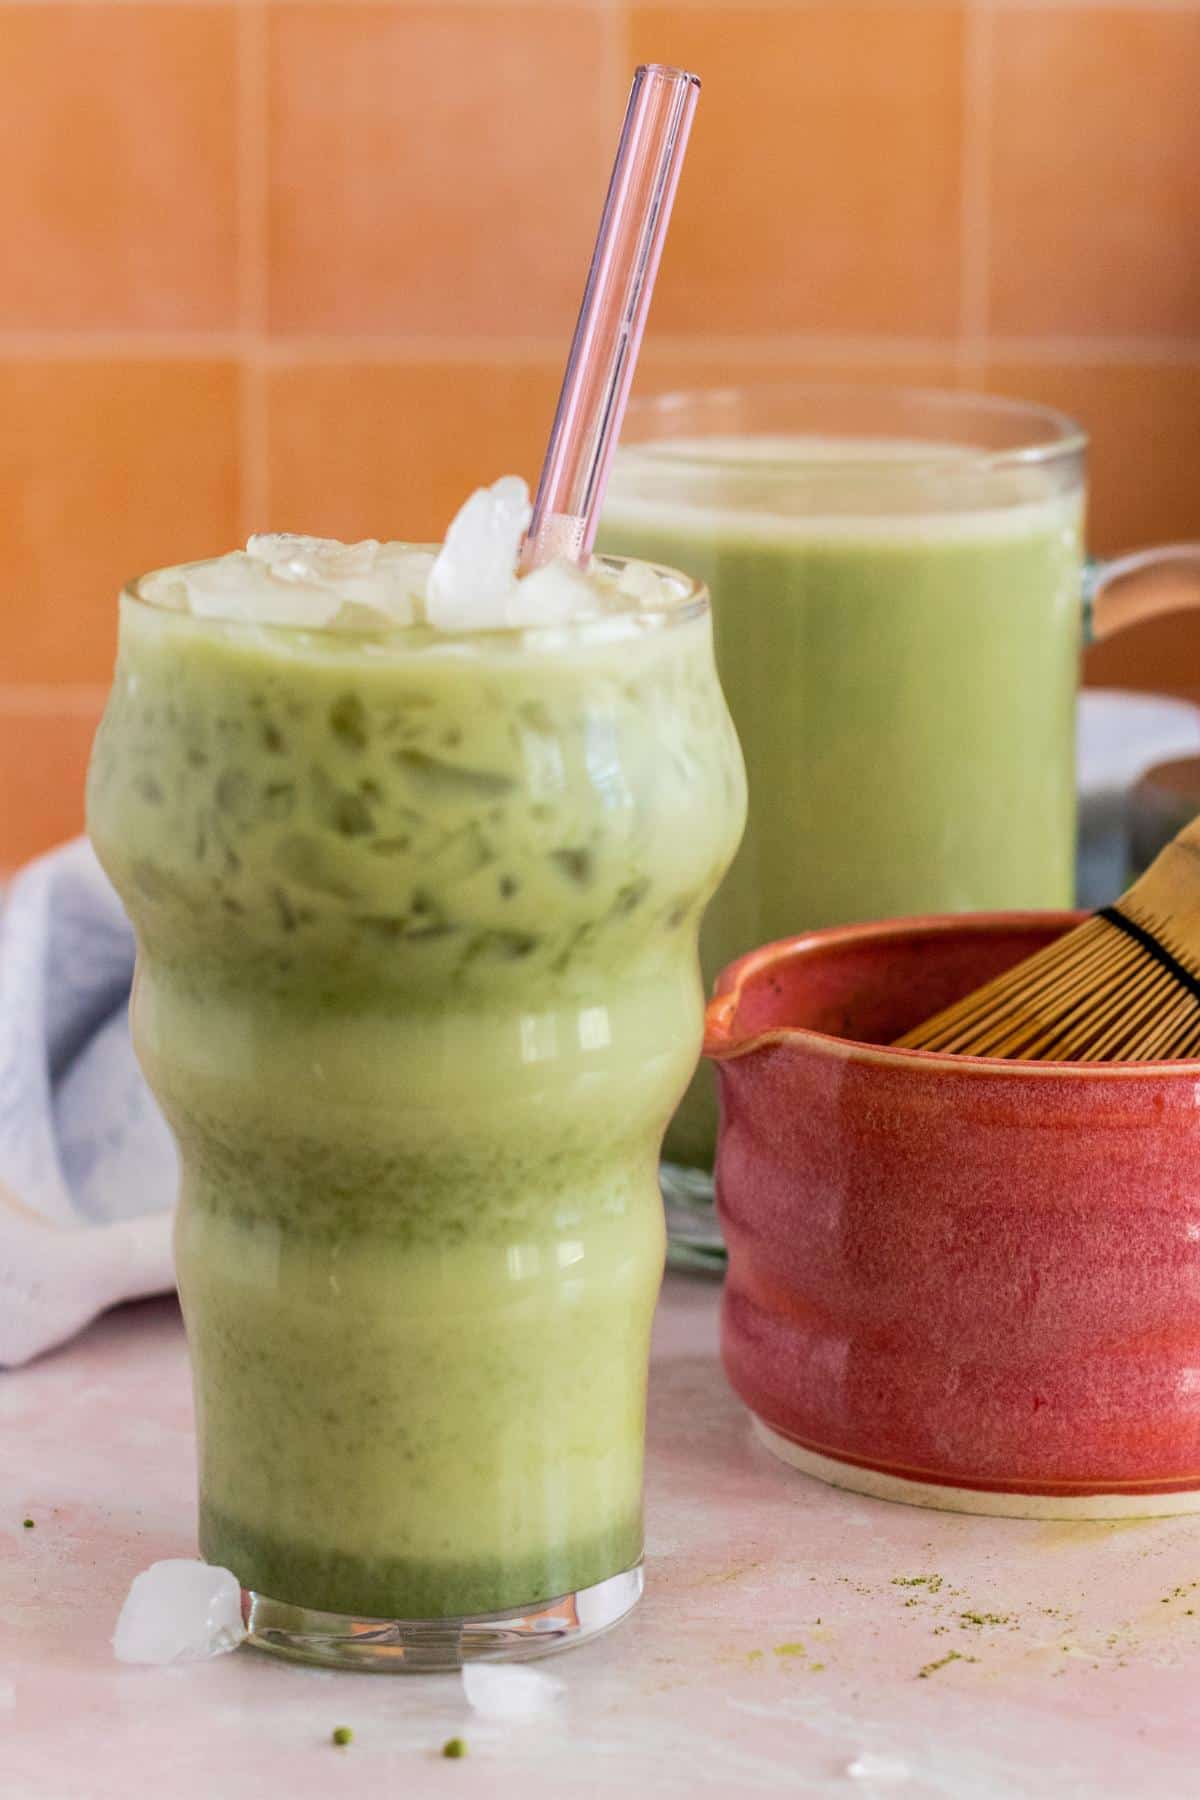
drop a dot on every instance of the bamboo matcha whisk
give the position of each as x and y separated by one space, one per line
1122 987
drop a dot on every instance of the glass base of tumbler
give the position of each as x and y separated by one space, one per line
693 1234
423 1646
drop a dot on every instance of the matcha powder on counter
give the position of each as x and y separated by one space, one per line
931 1668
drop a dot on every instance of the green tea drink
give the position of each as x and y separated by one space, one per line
418 990
903 687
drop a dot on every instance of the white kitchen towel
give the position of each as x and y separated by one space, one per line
87 1167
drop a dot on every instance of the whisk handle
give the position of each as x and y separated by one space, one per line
1166 899
1189 839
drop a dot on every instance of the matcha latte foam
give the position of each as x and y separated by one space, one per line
417 990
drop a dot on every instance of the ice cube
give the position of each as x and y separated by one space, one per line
507 1691
878 1766
638 581
179 1611
474 573
165 588
394 585
364 618
242 588
555 594
293 557
309 583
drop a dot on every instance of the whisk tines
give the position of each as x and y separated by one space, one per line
1122 987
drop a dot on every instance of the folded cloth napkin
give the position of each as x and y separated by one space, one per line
87 1167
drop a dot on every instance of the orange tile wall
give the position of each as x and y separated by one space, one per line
313 264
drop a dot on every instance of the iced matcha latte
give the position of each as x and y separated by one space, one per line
417 990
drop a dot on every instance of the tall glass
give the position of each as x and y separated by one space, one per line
898 590
418 990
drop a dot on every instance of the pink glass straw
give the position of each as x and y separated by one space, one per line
616 300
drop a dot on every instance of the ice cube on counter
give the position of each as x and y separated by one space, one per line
474 576
878 1767
179 1611
508 1691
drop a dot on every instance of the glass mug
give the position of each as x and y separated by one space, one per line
418 991
900 593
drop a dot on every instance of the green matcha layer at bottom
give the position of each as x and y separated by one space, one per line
324 1580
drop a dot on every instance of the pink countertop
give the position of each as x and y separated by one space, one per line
789 1632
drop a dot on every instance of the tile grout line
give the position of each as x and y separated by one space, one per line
254 479
621 73
1146 6
112 346
78 698
252 163
975 245
778 348
1151 6
593 6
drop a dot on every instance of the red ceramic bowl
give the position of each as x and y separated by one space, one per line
956 1281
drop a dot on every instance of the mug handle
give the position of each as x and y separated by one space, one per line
1145 585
